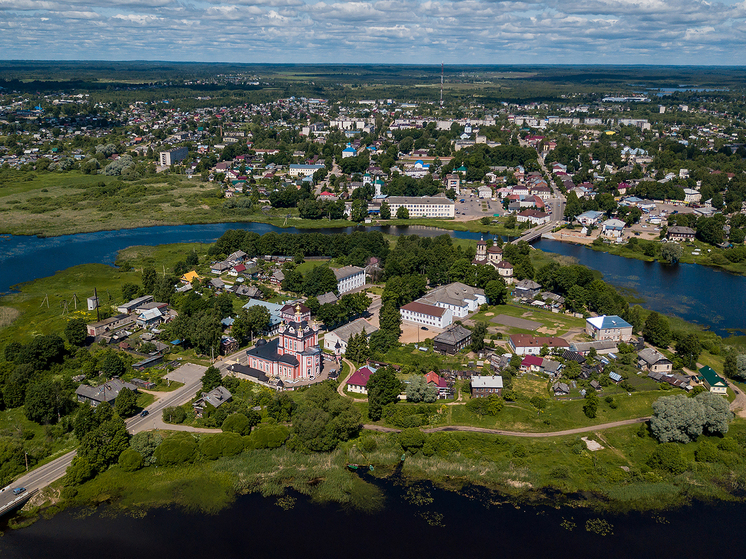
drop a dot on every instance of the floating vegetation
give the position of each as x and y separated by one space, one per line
432 518
660 519
286 502
568 525
418 496
599 526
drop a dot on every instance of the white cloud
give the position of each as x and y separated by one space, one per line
471 31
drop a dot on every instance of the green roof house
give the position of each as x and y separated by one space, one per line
713 381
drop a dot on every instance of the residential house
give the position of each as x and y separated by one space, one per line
189 277
106 392
526 344
482 387
358 382
109 324
218 268
327 298
713 381
526 289
551 368
337 340
531 363
608 327
680 234
453 340
150 318
275 319
654 361
561 389
214 398
434 379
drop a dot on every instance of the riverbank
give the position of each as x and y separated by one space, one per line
603 472
694 252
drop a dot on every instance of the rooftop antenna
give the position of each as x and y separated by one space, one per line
441 85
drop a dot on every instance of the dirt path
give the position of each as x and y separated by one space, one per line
576 431
738 406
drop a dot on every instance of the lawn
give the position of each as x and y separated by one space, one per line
553 324
37 318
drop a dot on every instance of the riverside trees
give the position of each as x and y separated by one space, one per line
681 419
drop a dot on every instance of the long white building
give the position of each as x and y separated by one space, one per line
349 278
423 206
423 313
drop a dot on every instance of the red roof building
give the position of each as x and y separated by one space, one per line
358 382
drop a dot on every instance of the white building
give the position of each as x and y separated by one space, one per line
429 315
613 228
534 217
337 340
303 170
454 182
423 206
692 196
485 192
349 278
457 297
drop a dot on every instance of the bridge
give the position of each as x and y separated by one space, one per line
16 501
535 233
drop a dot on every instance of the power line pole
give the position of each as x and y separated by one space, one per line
441 85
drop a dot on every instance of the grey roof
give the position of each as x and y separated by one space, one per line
561 387
236 255
454 294
651 356
216 397
495 381
346 272
106 392
527 284
354 328
550 366
454 335
220 266
268 351
599 345
327 298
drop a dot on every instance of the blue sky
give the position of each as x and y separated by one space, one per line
395 31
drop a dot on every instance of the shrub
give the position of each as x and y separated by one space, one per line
412 439
130 460
668 457
268 436
179 448
213 447
707 452
237 423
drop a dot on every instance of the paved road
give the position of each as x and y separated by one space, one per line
46 474
517 433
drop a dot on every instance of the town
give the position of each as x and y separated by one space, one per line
343 344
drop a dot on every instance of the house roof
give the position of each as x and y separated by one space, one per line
106 392
456 294
616 377
711 377
353 328
608 321
346 272
436 379
527 284
454 335
361 376
424 308
327 298
651 356
495 381
527 340
532 361
216 397
189 277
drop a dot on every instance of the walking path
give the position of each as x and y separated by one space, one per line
564 432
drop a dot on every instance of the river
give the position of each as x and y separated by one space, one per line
674 290
451 526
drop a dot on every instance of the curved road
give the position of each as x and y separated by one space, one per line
518 433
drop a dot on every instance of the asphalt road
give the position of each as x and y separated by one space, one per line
52 471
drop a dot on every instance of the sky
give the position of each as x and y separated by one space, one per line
375 31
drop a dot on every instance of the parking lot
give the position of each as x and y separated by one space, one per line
471 208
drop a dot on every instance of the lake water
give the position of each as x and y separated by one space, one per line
667 289
452 526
